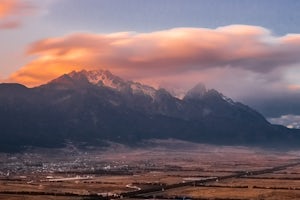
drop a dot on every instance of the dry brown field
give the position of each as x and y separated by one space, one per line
123 169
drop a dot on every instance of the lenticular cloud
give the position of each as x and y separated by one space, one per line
167 52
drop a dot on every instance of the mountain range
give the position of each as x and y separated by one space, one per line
89 107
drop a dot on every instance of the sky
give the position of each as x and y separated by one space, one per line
247 49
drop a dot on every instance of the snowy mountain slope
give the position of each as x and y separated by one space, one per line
91 106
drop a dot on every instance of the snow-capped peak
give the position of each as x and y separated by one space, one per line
142 89
227 99
104 77
107 79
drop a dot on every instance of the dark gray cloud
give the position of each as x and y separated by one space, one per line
276 105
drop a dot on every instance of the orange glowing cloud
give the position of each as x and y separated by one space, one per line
294 87
148 55
11 12
7 7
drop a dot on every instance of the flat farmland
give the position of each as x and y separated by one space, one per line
230 193
36 197
167 169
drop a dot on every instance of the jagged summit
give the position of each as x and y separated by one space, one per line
107 79
91 106
197 92
103 77
100 78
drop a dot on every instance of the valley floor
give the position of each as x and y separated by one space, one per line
167 169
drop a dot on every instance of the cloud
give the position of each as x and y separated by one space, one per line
236 59
294 87
275 104
290 121
10 25
12 11
6 7
246 63
163 53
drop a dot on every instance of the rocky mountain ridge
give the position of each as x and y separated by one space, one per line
89 107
